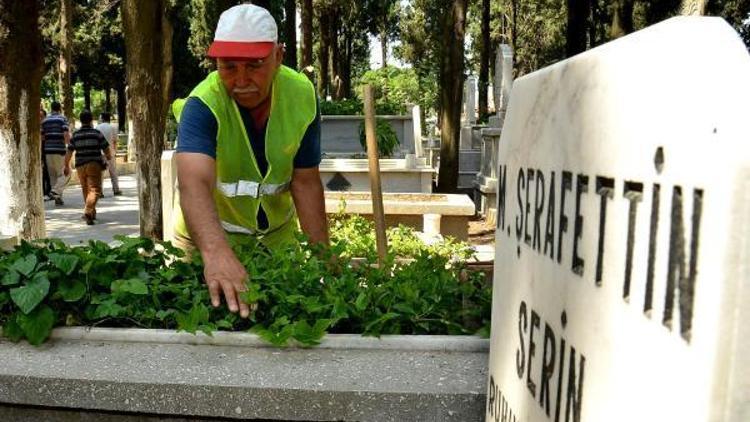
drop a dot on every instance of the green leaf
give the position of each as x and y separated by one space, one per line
252 294
66 263
108 308
38 324
12 330
134 286
191 321
11 278
71 291
361 303
26 265
161 315
29 296
112 310
404 308
278 339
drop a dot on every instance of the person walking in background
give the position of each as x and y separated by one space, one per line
46 187
55 139
88 145
110 134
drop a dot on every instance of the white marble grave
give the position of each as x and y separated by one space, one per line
622 275
503 79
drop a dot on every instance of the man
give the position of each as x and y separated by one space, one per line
46 187
248 153
88 145
55 139
110 134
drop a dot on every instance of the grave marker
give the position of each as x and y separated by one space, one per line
622 275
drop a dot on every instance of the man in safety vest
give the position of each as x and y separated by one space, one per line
248 153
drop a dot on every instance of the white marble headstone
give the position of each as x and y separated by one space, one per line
470 100
503 78
622 275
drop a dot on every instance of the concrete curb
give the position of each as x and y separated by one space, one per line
427 343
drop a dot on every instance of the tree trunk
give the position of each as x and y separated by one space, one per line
694 7
290 33
323 56
65 62
384 47
451 94
307 31
87 95
336 61
346 70
122 110
147 35
622 18
266 4
107 100
578 15
484 60
21 210
514 25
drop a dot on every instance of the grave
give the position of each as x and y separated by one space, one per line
409 209
407 174
486 181
621 288
339 135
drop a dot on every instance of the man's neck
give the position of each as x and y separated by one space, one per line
260 113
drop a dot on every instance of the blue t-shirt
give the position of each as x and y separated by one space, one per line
197 133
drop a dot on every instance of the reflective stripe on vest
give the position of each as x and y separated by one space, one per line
251 189
233 228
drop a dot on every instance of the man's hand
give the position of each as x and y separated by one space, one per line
66 171
224 273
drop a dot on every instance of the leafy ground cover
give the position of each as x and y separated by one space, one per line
302 292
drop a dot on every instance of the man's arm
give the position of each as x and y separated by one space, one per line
108 154
66 167
196 174
307 192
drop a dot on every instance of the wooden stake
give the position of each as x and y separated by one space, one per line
372 158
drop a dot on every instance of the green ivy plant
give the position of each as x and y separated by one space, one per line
302 291
386 137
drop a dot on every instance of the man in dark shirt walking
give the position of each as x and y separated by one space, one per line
88 144
55 138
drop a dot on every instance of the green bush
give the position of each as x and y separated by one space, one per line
351 106
302 291
387 138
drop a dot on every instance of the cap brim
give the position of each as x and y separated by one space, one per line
250 50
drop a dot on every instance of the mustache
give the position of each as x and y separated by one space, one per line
248 90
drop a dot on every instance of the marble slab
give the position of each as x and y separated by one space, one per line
622 272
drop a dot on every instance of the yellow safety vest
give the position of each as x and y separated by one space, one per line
241 189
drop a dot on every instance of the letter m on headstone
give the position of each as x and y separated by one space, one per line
682 271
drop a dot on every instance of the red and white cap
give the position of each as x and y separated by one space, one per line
246 31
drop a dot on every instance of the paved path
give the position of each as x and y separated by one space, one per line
119 215
115 214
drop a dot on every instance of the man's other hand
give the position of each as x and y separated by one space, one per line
224 273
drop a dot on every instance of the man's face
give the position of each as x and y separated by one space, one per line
249 81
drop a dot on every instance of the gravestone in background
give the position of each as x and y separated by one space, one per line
503 79
470 100
622 275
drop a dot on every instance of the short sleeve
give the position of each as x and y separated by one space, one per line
197 129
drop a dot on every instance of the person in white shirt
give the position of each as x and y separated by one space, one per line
110 133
